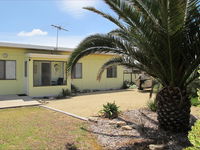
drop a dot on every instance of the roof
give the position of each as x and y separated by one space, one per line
40 47
36 47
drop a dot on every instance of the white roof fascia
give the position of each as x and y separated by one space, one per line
29 46
36 55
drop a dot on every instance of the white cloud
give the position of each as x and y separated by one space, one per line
34 32
75 7
63 41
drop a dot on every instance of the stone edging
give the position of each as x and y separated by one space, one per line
69 114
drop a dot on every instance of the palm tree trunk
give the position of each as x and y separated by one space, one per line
173 108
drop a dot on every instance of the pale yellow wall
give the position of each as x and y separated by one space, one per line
90 67
13 86
22 85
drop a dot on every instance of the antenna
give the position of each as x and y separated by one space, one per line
58 28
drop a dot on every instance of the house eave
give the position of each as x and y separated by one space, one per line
46 56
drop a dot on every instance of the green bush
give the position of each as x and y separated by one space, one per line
195 101
133 86
193 87
64 94
151 104
194 136
110 110
74 89
128 84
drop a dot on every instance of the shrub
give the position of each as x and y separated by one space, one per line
133 86
194 136
128 84
152 105
193 87
74 89
110 110
71 146
195 101
64 93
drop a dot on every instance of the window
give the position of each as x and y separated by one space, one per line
7 69
48 73
25 68
112 72
77 71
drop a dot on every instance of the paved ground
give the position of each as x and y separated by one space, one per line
10 101
89 105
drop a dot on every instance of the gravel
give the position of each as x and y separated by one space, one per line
145 132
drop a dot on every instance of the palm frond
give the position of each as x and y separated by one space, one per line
162 36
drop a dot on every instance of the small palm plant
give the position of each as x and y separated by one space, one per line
159 37
110 110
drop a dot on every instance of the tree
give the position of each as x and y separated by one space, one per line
160 37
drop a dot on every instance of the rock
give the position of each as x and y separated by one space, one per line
112 122
51 98
93 119
156 147
120 123
127 127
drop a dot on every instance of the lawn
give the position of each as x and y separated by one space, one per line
38 128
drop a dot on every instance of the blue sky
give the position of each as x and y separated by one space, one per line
29 21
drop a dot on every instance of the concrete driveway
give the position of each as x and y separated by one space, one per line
12 101
91 104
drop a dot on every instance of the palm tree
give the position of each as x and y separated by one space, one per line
160 37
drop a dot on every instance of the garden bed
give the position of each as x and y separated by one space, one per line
143 134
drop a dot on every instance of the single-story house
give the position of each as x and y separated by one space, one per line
41 71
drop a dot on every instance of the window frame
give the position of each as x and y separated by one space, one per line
112 75
5 70
74 72
50 61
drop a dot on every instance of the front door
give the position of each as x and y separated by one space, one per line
46 74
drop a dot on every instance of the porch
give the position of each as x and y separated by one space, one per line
46 75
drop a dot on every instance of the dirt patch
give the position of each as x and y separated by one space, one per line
90 105
196 111
145 132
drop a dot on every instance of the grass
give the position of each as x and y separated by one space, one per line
38 128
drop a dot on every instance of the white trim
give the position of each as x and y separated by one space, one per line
36 55
39 47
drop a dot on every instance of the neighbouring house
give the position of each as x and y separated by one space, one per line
41 71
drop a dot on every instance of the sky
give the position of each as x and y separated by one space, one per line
29 21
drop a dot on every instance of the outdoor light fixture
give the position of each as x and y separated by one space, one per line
5 55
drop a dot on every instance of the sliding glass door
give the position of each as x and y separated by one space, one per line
48 73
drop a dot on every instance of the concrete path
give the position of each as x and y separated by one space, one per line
90 104
67 113
12 101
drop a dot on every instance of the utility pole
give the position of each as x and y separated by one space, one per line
58 28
